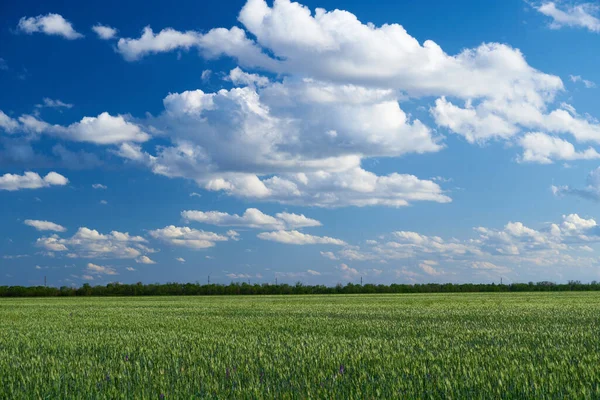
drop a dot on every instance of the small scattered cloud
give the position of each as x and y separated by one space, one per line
99 186
187 237
45 225
145 260
206 74
49 103
180 259
329 254
49 24
31 180
104 32
582 15
100 269
586 83
299 238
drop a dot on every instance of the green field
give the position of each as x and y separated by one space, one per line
543 345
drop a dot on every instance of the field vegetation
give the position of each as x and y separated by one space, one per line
493 345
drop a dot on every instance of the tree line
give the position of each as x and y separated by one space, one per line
196 289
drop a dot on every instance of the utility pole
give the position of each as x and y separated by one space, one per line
361 281
45 281
275 281
209 279
501 280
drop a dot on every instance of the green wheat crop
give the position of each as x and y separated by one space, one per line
457 346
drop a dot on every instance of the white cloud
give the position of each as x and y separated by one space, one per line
7 123
312 272
295 237
45 225
241 78
130 269
329 254
47 102
104 129
586 83
180 259
348 272
100 270
233 235
87 277
194 194
486 265
104 32
31 180
252 218
215 43
476 126
99 186
50 24
144 260
238 276
590 192
206 74
187 237
544 149
428 267
89 243
489 254
579 15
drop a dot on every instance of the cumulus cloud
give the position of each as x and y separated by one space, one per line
347 272
336 101
299 238
145 260
104 129
252 218
586 83
329 254
590 192
579 15
187 237
100 270
238 276
31 180
7 123
544 149
488 254
213 44
430 268
50 103
104 32
44 225
89 243
238 77
50 24
180 259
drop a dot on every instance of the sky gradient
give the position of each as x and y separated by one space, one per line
321 142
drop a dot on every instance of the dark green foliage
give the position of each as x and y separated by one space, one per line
196 289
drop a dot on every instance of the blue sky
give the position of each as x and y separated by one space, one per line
319 142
